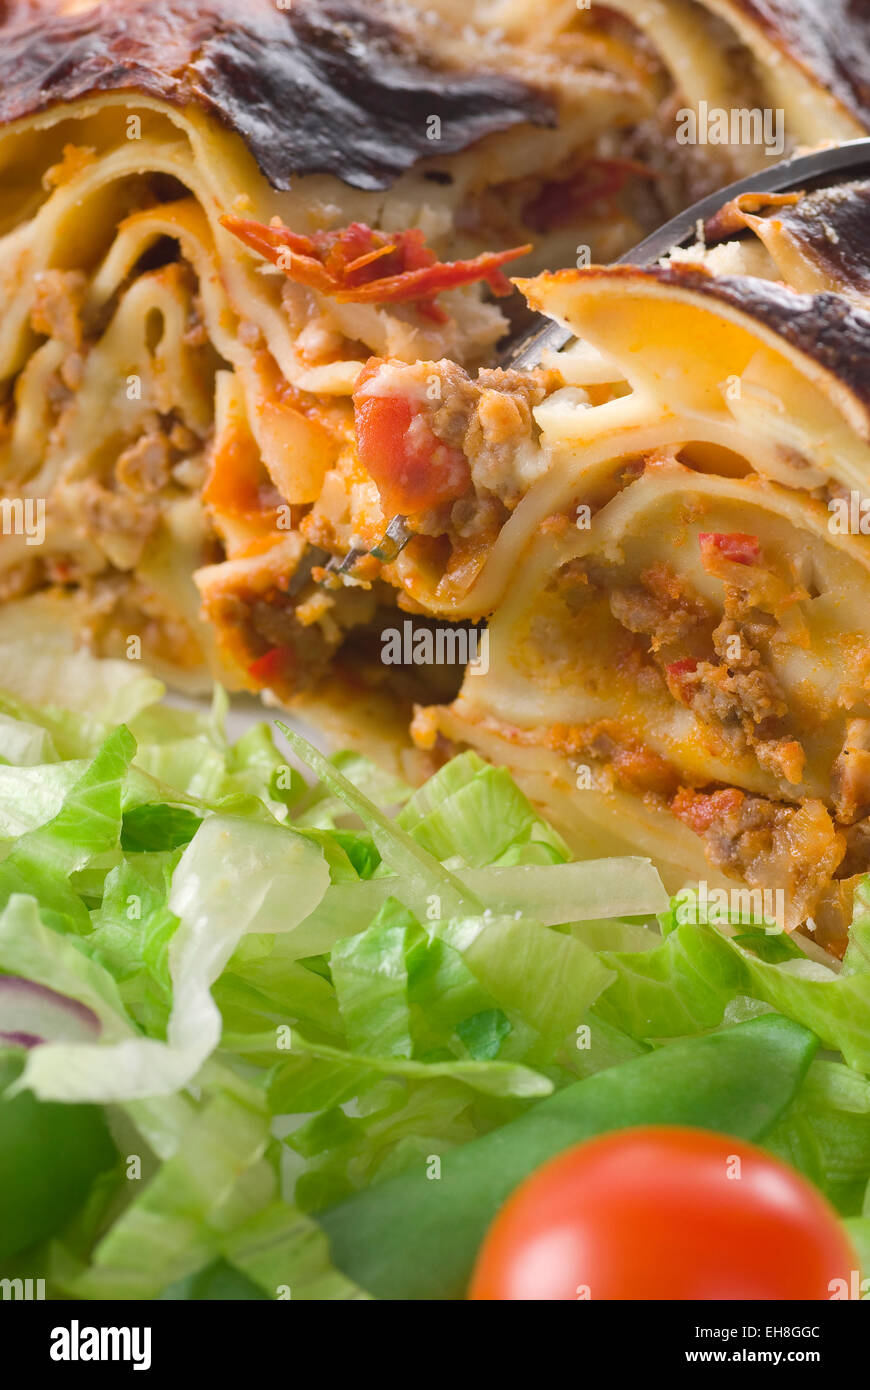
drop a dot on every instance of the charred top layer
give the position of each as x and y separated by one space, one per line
831 226
322 86
830 41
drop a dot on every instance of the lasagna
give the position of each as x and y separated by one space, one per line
677 593
255 271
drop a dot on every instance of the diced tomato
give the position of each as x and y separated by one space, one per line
413 469
426 280
735 546
698 810
561 202
676 674
274 666
679 668
358 264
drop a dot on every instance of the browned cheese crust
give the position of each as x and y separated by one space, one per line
829 39
324 86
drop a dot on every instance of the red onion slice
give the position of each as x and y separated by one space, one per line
31 1014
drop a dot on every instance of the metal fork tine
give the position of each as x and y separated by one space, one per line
311 557
393 541
346 564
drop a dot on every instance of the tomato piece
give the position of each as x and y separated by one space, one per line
361 265
428 280
728 545
276 665
561 202
698 810
413 469
676 675
666 1214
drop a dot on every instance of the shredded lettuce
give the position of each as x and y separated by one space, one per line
686 984
235 876
308 990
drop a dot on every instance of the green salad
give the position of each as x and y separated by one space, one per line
272 1035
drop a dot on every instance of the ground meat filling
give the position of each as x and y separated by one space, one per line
291 642
57 306
121 511
738 691
143 469
664 609
116 605
120 523
113 513
742 696
490 421
718 670
767 844
857 856
724 681
453 454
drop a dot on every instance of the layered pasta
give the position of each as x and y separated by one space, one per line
176 405
676 603
254 276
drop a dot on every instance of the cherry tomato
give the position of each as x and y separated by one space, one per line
663 1213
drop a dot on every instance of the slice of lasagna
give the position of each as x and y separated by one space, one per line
213 217
253 277
677 580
